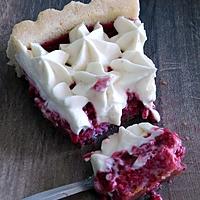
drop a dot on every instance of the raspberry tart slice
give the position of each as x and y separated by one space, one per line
86 67
136 160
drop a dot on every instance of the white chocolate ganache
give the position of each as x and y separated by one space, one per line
84 61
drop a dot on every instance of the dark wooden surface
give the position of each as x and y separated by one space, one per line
34 157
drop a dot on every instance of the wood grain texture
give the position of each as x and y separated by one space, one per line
34 157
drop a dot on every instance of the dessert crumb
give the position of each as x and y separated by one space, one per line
170 181
187 138
162 82
155 196
185 123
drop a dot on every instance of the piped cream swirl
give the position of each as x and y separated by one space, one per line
86 47
131 34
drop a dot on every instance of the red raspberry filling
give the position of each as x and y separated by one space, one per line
163 158
54 44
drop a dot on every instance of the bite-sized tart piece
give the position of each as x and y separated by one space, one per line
134 161
86 67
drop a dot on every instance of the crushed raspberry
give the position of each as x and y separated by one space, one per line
72 85
155 196
109 29
109 69
55 44
145 113
101 84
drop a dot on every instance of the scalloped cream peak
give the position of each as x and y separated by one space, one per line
86 47
131 34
